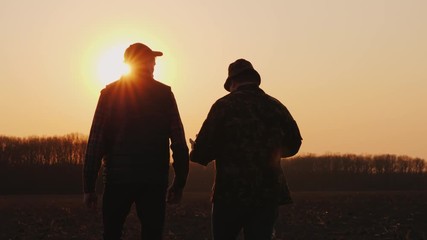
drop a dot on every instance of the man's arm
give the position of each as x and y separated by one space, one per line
179 154
204 148
292 139
95 149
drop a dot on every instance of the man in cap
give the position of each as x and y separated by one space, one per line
135 121
246 132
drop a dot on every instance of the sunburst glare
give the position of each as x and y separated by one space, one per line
111 66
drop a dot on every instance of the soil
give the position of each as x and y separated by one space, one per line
313 215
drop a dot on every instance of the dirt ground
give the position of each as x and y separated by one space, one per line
314 215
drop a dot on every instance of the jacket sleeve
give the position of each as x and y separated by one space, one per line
96 146
206 146
179 147
292 139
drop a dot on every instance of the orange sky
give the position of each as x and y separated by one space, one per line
353 73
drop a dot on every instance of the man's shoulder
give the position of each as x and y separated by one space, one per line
274 100
161 85
122 83
111 86
224 100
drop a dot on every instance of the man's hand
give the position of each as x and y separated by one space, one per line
90 200
192 142
174 195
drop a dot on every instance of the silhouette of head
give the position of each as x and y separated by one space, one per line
241 71
141 59
140 53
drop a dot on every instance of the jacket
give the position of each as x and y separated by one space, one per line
134 123
247 132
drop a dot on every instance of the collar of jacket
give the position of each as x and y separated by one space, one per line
249 87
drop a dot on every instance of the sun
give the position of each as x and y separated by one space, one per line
111 65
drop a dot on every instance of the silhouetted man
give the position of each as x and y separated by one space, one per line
246 132
135 121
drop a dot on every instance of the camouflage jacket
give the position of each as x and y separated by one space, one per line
246 133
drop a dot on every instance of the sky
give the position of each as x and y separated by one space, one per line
353 73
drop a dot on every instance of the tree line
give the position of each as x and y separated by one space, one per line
43 151
53 164
344 172
70 150
357 164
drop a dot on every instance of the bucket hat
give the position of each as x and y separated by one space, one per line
238 67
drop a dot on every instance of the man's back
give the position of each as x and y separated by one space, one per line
137 130
254 125
249 127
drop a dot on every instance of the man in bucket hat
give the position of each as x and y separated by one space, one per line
134 121
246 132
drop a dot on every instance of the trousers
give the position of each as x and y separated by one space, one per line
150 203
257 222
